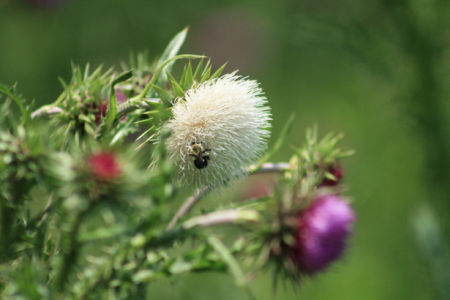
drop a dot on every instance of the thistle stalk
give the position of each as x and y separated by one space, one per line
223 217
202 192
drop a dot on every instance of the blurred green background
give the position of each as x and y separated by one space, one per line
378 71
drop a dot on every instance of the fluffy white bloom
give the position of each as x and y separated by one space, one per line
227 119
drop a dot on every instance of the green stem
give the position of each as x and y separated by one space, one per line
187 206
165 239
131 105
46 110
223 217
270 168
70 258
7 232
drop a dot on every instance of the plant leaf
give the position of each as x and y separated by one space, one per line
171 50
8 92
280 141
112 107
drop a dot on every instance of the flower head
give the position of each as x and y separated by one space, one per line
322 231
104 165
217 129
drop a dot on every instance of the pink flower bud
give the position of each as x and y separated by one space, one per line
104 165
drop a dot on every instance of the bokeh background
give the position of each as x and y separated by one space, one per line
378 71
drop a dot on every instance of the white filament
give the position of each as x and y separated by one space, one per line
226 115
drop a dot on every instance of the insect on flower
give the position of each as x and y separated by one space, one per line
196 150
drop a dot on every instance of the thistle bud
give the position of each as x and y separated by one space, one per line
218 129
337 171
321 233
104 166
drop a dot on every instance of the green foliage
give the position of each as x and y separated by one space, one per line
84 217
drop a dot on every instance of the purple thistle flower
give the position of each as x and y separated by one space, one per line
322 231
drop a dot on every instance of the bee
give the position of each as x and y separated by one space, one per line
196 150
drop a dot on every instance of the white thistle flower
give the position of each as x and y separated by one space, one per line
227 120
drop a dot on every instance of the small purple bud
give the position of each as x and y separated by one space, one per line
338 172
120 96
322 231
